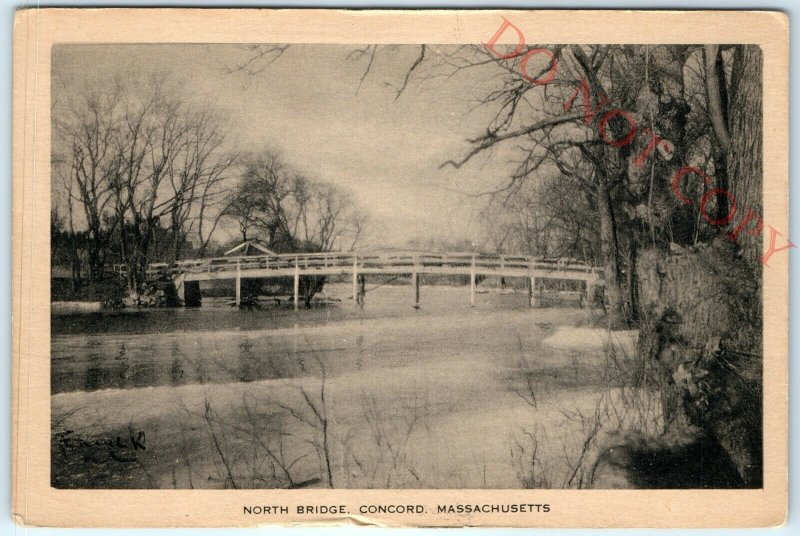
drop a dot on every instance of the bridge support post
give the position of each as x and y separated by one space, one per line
238 284
472 283
361 290
415 286
415 280
355 279
296 284
535 299
591 290
529 284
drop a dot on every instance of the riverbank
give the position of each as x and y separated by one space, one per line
74 307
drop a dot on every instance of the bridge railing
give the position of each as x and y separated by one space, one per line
374 260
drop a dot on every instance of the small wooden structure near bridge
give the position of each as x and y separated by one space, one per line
187 274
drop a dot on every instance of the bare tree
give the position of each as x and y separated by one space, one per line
85 131
140 161
196 176
290 211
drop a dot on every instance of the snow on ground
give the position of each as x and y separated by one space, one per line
583 338
432 399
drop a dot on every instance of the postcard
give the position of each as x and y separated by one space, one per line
400 268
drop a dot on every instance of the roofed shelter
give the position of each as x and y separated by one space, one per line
248 248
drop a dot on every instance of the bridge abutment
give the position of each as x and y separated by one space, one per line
189 292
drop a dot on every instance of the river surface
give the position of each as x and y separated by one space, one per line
446 396
219 344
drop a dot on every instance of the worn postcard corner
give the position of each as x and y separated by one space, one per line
400 268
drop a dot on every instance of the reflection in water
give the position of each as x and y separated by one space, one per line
124 361
95 379
248 364
112 350
144 375
146 366
176 372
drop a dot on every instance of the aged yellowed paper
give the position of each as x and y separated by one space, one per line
402 268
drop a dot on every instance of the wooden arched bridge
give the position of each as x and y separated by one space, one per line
187 274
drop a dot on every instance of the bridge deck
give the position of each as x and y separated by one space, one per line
361 264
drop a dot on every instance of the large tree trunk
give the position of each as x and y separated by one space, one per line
704 342
717 99
96 247
702 332
745 155
610 250
609 225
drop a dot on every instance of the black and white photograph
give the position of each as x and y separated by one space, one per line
407 266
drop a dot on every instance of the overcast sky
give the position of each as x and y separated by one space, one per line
305 105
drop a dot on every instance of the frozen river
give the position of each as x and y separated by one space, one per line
444 396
